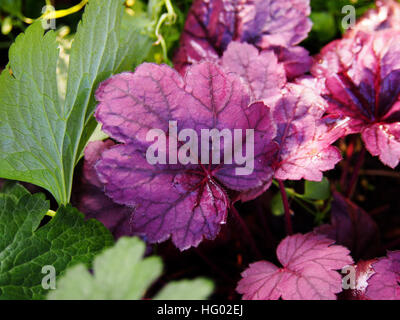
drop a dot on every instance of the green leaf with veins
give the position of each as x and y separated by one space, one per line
42 135
26 247
121 273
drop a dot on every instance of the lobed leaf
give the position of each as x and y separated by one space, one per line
384 283
189 201
352 227
121 273
26 247
309 263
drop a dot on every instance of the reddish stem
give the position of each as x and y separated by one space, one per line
288 217
247 234
356 173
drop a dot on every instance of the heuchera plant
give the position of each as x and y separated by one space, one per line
267 24
240 70
361 79
187 202
248 76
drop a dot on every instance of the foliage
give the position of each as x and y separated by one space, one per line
96 114
120 273
26 246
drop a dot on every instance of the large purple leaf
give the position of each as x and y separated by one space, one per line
352 227
304 140
261 72
386 15
362 80
212 24
185 201
91 199
385 283
308 271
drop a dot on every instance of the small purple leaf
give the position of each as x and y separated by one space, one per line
296 60
352 227
309 262
261 72
385 283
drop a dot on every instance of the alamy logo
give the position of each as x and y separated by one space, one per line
186 147
49 15
349 20
49 280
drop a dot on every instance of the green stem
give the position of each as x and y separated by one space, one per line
168 18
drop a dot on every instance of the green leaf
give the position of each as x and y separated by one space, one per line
197 289
43 135
317 190
120 273
324 26
137 32
11 6
26 247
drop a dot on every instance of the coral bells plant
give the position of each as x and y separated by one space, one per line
237 140
186 201
361 78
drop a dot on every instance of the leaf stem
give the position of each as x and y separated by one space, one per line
247 234
288 218
168 18
356 172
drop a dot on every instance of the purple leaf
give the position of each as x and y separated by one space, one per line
186 202
385 283
352 227
303 139
274 22
211 25
362 80
261 72
386 15
295 60
309 262
91 200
